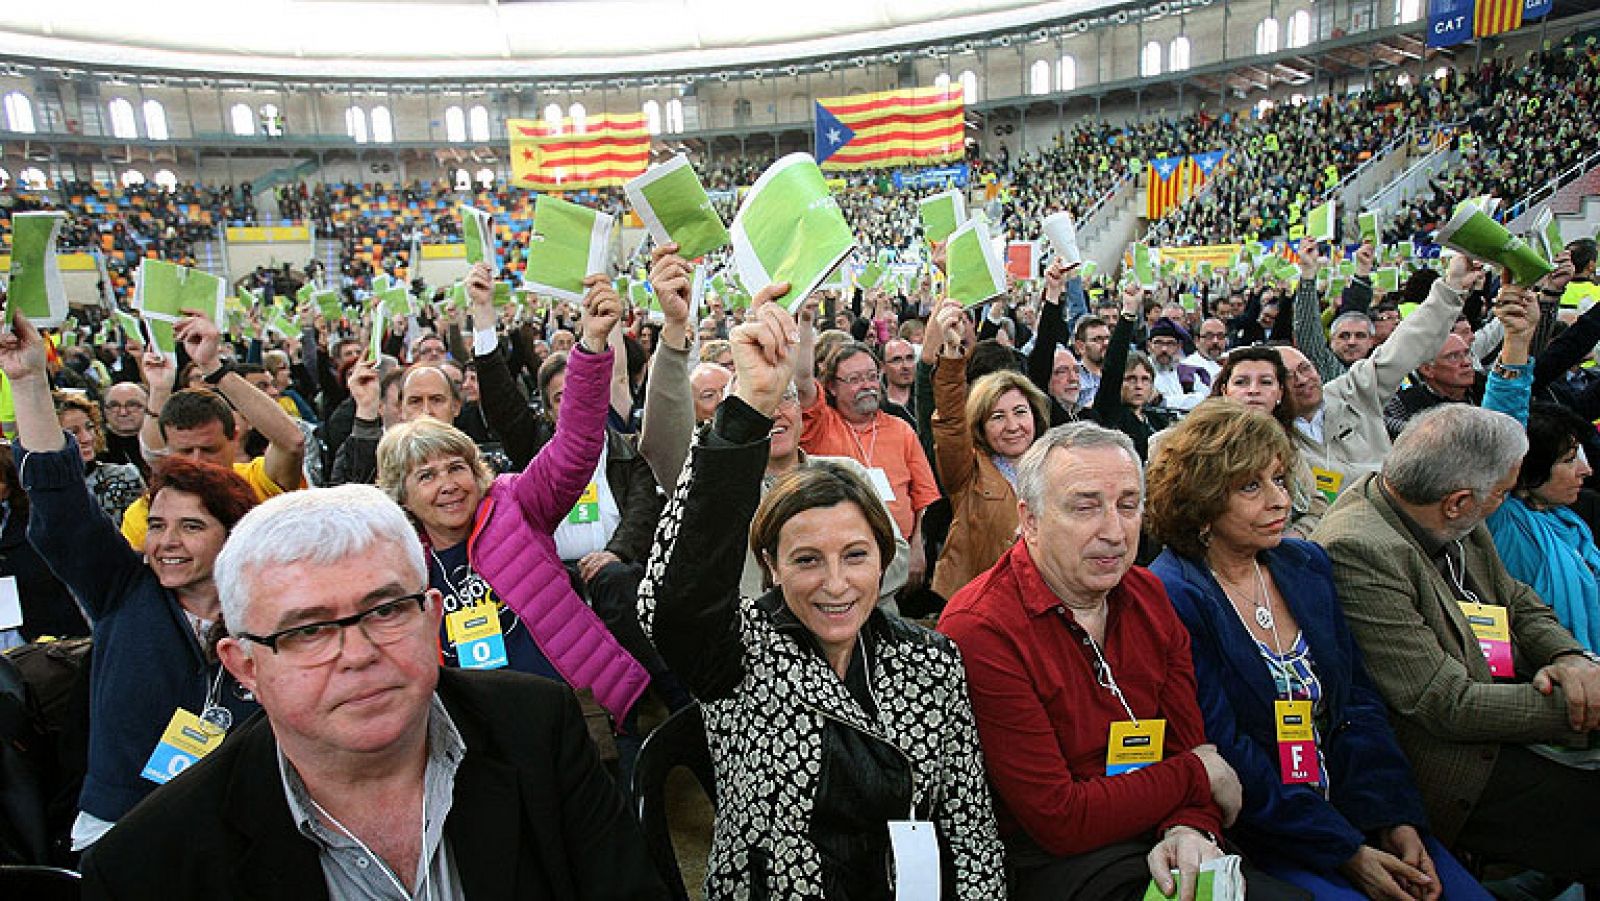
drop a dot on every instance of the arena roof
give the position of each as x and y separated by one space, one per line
338 39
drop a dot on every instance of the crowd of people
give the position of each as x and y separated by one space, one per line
1087 587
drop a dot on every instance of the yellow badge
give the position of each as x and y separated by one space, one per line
1134 745
1328 482
587 509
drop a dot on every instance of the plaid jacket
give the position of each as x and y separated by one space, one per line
1450 715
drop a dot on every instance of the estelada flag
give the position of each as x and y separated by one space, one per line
1203 168
911 126
546 156
1491 17
1165 185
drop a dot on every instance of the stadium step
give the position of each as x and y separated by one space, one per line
1111 226
210 257
1412 181
1379 172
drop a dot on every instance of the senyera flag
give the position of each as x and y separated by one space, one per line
1164 185
546 156
911 126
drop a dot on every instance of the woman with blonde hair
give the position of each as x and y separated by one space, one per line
978 436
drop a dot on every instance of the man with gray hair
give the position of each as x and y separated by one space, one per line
1476 670
1072 655
374 773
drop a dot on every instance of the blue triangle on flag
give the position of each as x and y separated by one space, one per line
831 133
1165 166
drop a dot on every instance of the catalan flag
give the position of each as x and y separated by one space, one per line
1491 17
611 149
914 126
1203 168
1164 187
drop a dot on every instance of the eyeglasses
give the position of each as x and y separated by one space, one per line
856 381
131 406
314 644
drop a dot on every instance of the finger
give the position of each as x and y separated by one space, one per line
595 278
1542 681
1577 703
1188 875
1384 886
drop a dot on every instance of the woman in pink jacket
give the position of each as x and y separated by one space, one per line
490 541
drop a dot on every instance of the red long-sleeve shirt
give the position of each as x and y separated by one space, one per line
1044 719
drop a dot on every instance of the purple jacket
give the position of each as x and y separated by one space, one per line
513 544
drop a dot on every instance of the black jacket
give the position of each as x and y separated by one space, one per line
533 815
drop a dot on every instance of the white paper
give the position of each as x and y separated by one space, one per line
880 483
916 860
1062 233
697 295
10 604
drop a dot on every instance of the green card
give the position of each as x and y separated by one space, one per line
165 290
675 208
568 245
161 339
973 265
1369 223
1320 225
942 214
329 304
1471 231
871 276
1386 279
35 284
477 229
790 229
1144 266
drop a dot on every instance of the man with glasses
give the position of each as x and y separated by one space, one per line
1448 378
124 406
843 417
1181 387
1210 343
375 773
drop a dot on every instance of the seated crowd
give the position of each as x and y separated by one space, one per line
1077 590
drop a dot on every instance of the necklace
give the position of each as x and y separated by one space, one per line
1263 612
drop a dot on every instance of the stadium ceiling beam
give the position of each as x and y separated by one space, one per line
1292 74
1391 55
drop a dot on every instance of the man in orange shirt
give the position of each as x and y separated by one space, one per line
842 418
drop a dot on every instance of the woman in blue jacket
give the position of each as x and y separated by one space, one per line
1329 802
153 668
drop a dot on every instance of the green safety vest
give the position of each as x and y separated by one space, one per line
1577 292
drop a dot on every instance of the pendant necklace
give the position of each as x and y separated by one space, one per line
1263 613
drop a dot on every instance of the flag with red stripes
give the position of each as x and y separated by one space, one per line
1494 16
1203 167
908 127
1164 185
610 149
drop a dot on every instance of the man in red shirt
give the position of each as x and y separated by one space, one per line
841 417
1077 664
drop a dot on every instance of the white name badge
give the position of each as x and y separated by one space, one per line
880 484
915 844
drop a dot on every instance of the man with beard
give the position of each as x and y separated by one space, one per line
1210 342
1090 338
1182 387
845 419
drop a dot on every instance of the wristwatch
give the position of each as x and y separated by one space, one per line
215 378
1510 370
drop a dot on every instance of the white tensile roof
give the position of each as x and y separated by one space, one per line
488 38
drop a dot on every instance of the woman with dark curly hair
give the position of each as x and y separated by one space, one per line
1329 800
154 616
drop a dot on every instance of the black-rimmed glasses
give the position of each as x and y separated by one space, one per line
314 644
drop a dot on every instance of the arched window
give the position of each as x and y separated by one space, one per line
969 86
122 122
1300 29
486 179
1407 11
1066 74
130 179
33 178
674 115
1150 59
1178 54
552 118
478 118
652 117
455 125
355 124
942 81
382 126
1039 78
463 180
580 118
271 120
166 181
242 120
19 115
155 120
1267 36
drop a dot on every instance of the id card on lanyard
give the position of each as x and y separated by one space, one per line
475 632
1297 742
186 739
1134 745
915 846
1491 625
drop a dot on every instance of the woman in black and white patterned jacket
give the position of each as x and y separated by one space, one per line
830 723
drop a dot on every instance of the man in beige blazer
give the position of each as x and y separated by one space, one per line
1408 545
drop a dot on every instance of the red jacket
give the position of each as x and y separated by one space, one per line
1044 719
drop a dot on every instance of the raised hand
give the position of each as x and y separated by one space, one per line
22 355
762 359
199 336
1366 256
672 278
1310 258
1462 272
480 291
1055 279
364 385
601 310
946 327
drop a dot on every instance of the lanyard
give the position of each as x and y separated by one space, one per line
1459 579
427 873
1277 640
1108 679
867 452
214 713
